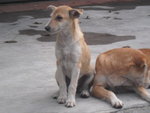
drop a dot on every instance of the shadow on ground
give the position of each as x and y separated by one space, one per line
90 37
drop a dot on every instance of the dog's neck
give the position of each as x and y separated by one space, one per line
69 35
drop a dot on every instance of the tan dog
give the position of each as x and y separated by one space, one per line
72 53
121 67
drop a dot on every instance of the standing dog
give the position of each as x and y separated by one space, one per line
121 67
72 54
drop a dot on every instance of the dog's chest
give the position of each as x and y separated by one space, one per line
70 52
68 56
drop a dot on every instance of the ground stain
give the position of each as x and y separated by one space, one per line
106 17
87 17
114 8
117 6
37 23
32 26
31 32
90 37
13 23
116 12
104 38
126 46
117 18
10 41
14 16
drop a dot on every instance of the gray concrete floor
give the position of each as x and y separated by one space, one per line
27 60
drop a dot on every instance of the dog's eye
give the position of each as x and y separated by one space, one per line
59 18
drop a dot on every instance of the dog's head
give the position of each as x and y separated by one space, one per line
62 17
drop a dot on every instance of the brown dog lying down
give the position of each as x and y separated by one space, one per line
121 67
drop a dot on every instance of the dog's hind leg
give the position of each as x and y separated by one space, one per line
102 93
86 82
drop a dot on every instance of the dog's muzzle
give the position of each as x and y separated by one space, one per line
47 28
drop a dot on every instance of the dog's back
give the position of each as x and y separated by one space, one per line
146 51
120 65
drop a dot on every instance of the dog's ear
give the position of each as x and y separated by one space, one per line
75 13
51 8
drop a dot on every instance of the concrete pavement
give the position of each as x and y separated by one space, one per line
27 60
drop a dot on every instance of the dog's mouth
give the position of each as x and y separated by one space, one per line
54 32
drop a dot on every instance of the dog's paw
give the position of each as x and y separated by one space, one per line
61 100
85 94
116 103
70 103
147 97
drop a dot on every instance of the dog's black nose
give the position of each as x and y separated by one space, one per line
47 28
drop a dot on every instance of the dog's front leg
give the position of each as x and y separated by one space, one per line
143 93
60 77
73 86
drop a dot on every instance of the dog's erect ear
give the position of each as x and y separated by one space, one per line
51 8
75 13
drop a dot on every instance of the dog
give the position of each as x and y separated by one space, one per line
72 54
121 67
